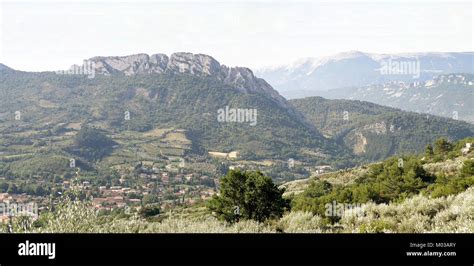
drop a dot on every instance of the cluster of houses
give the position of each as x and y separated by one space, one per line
120 197
170 184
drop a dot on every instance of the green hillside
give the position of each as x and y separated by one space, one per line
49 102
375 132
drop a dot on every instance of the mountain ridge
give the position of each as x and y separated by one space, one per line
306 77
446 95
185 63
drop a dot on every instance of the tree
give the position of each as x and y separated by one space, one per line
92 143
89 137
442 146
429 151
248 195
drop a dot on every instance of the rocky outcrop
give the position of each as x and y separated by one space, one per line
129 65
186 63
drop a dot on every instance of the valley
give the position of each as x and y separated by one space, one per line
156 134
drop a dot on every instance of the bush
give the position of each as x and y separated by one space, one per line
468 168
148 211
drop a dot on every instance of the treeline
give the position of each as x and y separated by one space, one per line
24 187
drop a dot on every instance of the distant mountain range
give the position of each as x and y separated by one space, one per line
307 77
449 95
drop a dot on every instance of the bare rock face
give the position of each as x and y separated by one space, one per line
158 63
198 64
187 63
129 65
195 64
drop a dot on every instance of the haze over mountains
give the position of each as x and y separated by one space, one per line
450 95
309 76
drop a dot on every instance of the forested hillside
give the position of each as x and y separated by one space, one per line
376 132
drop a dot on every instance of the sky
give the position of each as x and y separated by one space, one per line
36 35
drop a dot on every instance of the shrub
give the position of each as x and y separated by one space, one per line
149 210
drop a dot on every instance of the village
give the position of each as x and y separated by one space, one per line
166 184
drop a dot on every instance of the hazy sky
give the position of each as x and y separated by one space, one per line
38 35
